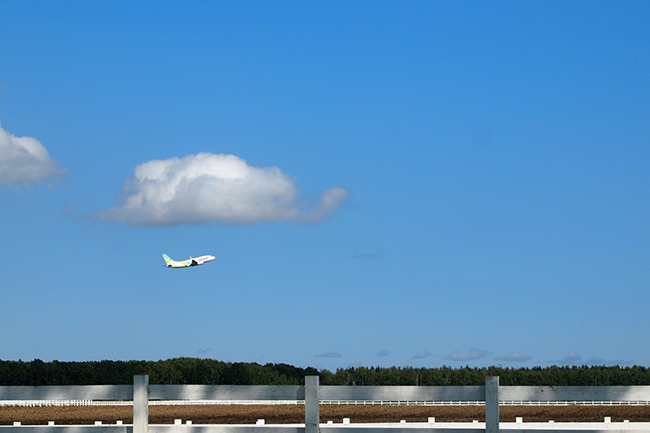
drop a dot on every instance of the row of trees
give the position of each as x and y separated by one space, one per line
170 371
472 376
213 372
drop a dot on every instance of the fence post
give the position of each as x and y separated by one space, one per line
140 404
312 401
491 404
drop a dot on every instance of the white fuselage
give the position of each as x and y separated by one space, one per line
196 261
193 261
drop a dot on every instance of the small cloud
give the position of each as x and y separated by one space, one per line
377 255
513 357
571 358
421 354
467 356
204 350
600 361
382 353
221 189
330 201
329 354
24 160
575 358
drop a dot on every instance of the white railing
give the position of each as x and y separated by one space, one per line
141 395
71 403
64 403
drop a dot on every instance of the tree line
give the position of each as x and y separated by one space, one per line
213 372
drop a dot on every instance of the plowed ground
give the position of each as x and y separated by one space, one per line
220 414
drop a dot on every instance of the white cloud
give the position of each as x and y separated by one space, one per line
209 188
513 357
575 358
599 361
330 201
572 358
421 354
24 160
467 356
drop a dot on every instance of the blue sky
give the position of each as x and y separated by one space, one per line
383 183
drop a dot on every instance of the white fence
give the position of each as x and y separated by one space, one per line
141 395
71 403
64 403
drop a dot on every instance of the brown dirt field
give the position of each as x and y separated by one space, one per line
220 414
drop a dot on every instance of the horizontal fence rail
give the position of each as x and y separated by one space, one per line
574 393
403 393
71 403
77 392
141 395
226 392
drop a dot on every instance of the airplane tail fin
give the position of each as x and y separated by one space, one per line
167 258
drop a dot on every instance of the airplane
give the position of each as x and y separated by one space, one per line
171 263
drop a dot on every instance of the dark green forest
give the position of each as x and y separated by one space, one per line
213 372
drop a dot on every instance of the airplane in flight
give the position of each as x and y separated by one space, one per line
196 261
